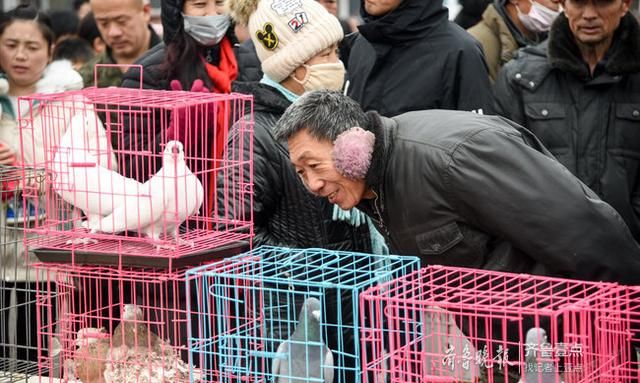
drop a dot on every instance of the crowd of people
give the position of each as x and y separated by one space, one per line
561 74
512 146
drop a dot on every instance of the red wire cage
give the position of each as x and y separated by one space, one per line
445 324
106 324
135 176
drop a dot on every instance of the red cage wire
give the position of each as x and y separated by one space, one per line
445 324
106 324
138 173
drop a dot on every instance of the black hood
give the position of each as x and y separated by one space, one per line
412 20
623 56
171 15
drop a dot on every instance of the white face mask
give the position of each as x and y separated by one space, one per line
323 76
539 18
206 30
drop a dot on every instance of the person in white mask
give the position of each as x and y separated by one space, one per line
579 93
197 54
508 25
297 43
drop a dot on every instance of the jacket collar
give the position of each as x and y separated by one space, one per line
623 55
510 40
384 129
265 98
411 20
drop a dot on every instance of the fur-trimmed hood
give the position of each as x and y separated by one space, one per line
623 56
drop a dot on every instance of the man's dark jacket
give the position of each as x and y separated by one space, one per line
414 58
285 213
461 189
591 124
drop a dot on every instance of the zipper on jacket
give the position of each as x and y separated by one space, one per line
379 214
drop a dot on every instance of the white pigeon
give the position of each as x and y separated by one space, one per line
303 357
538 368
82 177
174 193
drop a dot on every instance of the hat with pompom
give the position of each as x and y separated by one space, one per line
286 33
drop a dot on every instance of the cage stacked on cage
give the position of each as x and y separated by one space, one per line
275 314
139 173
114 324
444 324
137 186
18 327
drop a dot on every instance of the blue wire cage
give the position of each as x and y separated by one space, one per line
249 305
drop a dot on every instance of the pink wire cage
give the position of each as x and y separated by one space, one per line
624 342
445 324
106 324
135 175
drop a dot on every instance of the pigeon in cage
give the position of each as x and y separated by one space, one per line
139 355
175 193
82 177
441 336
132 332
91 354
539 368
128 365
303 357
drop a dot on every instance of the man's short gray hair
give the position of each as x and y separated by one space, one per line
324 113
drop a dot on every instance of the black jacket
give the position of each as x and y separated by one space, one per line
471 12
135 134
590 123
476 191
414 58
284 212
249 66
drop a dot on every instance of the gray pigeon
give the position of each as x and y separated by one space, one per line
133 333
538 369
301 357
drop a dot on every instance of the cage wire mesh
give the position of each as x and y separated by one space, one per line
276 314
18 326
132 173
624 350
114 324
445 324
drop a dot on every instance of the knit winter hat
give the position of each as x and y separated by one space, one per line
286 33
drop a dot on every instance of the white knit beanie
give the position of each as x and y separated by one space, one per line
286 33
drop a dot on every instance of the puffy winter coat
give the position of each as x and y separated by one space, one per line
591 124
414 58
461 189
284 212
